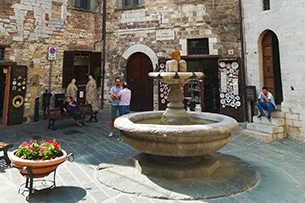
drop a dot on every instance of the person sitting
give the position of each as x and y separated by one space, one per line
265 101
72 108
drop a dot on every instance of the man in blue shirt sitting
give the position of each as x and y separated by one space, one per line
265 102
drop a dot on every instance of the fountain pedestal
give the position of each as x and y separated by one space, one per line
176 168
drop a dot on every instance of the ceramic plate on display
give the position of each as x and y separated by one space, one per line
232 104
165 97
161 65
227 95
238 103
161 95
161 89
237 98
223 106
228 66
222 64
222 101
231 70
235 65
163 101
222 95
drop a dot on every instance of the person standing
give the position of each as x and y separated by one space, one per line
114 91
124 97
265 102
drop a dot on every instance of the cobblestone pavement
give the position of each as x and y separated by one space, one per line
280 166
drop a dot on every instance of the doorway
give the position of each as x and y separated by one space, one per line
209 85
271 66
141 85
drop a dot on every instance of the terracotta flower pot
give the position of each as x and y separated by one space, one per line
39 168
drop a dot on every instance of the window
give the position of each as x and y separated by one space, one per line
79 65
198 46
266 5
81 4
2 53
125 4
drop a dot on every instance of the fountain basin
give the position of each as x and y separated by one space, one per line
177 140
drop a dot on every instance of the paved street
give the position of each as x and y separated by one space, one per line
280 166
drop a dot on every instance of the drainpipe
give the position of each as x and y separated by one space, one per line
103 52
242 63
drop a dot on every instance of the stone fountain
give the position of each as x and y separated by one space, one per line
176 143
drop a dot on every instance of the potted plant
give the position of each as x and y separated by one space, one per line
40 158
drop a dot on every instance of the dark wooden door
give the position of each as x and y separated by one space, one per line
138 67
271 66
268 62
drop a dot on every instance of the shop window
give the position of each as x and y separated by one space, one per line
266 5
2 49
126 4
198 46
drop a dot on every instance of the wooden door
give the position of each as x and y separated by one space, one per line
268 69
138 67
271 66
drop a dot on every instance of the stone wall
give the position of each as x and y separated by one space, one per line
29 27
285 19
216 20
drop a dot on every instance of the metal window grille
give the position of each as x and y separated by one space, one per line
198 46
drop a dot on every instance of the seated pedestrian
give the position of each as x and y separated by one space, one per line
72 108
265 102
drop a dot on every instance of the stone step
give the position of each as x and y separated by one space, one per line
277 121
265 128
266 137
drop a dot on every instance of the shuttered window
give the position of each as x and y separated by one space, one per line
78 65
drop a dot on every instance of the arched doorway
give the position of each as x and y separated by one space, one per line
271 65
141 85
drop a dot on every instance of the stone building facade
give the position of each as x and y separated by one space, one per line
141 36
28 28
281 22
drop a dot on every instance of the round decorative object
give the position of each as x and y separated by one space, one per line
222 64
237 97
231 70
238 103
162 65
165 97
163 101
18 101
235 65
14 82
232 104
222 101
228 66
161 95
222 95
161 89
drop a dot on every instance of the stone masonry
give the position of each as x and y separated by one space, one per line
29 27
284 19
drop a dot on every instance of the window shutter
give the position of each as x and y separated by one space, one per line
68 68
95 62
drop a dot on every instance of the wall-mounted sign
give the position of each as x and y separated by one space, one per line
51 53
165 34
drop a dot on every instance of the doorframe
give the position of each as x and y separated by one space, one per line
261 66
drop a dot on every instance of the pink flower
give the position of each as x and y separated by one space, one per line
41 150
23 144
32 140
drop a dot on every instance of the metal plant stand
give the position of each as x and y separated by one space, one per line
45 184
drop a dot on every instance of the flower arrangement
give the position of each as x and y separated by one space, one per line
42 150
